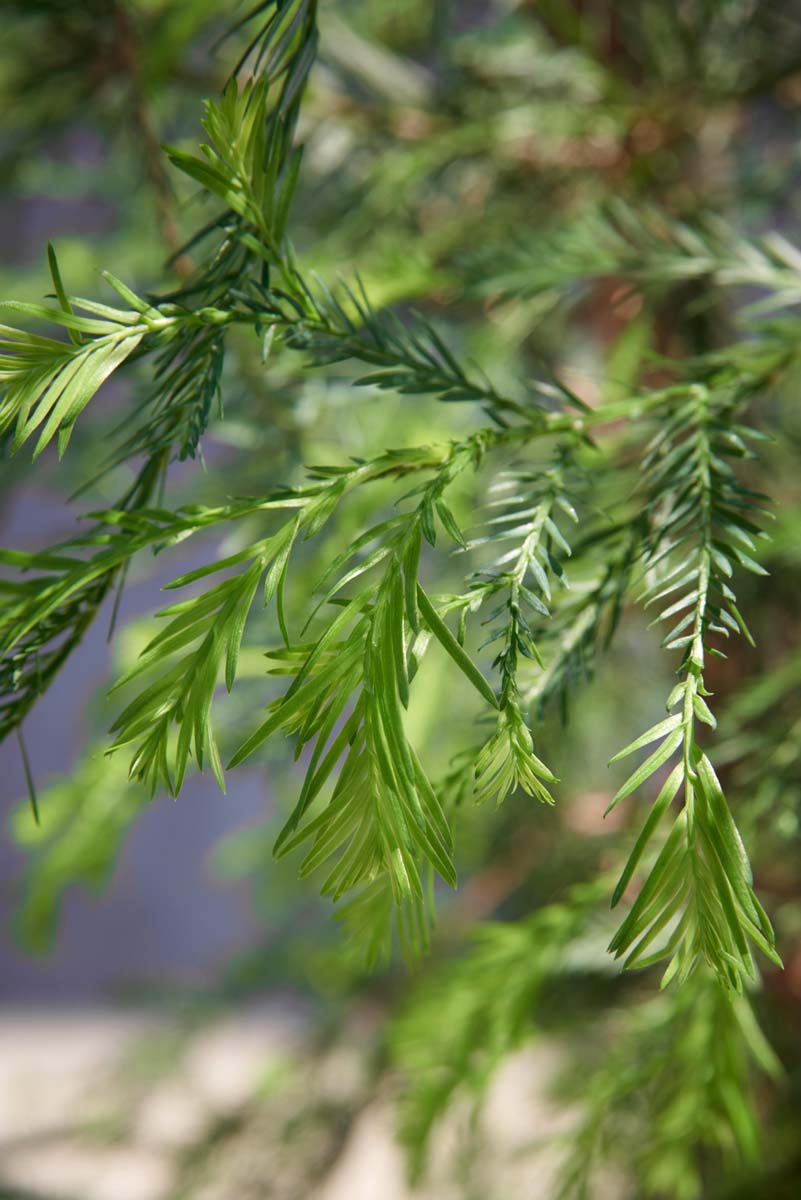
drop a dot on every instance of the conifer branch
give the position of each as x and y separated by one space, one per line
45 384
679 1074
518 583
647 247
383 825
368 815
699 893
459 1026
383 818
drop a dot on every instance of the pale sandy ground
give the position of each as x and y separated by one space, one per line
108 1105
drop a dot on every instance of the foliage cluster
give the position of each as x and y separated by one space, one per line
513 549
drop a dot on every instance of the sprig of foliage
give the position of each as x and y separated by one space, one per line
647 247
256 180
47 383
699 890
678 1075
283 48
204 634
411 357
681 1064
460 1025
249 165
55 594
351 683
209 630
518 583
349 689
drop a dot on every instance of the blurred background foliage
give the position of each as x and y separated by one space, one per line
457 154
